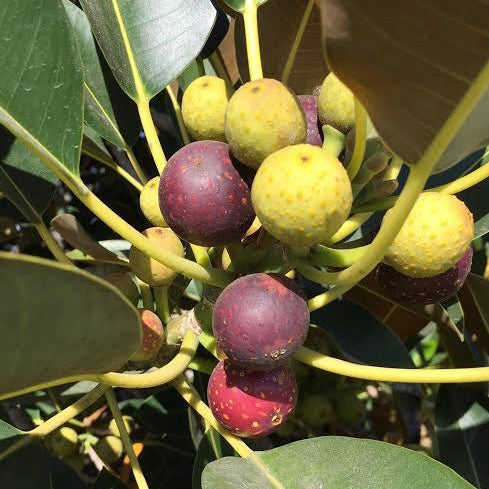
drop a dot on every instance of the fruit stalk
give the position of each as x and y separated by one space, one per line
331 257
151 135
178 115
360 140
51 243
325 298
162 306
417 178
135 164
334 140
252 39
126 440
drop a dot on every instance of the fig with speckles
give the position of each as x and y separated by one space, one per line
434 237
261 117
302 194
109 449
153 336
203 107
336 106
63 441
424 290
310 105
148 269
128 423
251 403
150 207
260 320
203 197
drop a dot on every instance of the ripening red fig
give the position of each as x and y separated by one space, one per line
310 105
202 196
153 336
251 403
424 290
260 320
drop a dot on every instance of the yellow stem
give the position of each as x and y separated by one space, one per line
394 169
70 412
162 306
146 295
151 135
360 140
118 169
187 267
201 255
51 243
157 377
325 298
135 164
202 365
126 440
178 114
193 398
385 374
297 42
465 182
417 178
243 450
252 39
350 226
209 343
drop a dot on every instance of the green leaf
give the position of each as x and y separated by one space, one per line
360 337
41 78
239 5
479 287
455 314
334 463
8 436
32 467
24 180
408 81
278 23
462 432
107 108
57 322
149 45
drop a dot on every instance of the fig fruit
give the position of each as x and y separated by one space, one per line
153 336
310 105
150 207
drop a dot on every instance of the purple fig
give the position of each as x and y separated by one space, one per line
310 105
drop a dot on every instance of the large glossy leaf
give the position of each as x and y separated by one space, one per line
57 321
462 432
8 435
44 471
410 81
41 79
107 108
278 25
333 463
24 180
147 45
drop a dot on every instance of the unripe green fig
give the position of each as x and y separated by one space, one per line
262 117
336 106
149 270
125 283
64 441
150 207
349 408
128 423
153 336
109 449
203 108
301 194
434 237
317 410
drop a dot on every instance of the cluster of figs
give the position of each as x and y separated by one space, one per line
258 157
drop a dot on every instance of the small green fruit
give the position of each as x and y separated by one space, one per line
336 106
109 449
203 108
349 408
434 237
262 117
148 269
148 201
64 441
153 336
125 283
128 423
317 410
301 194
